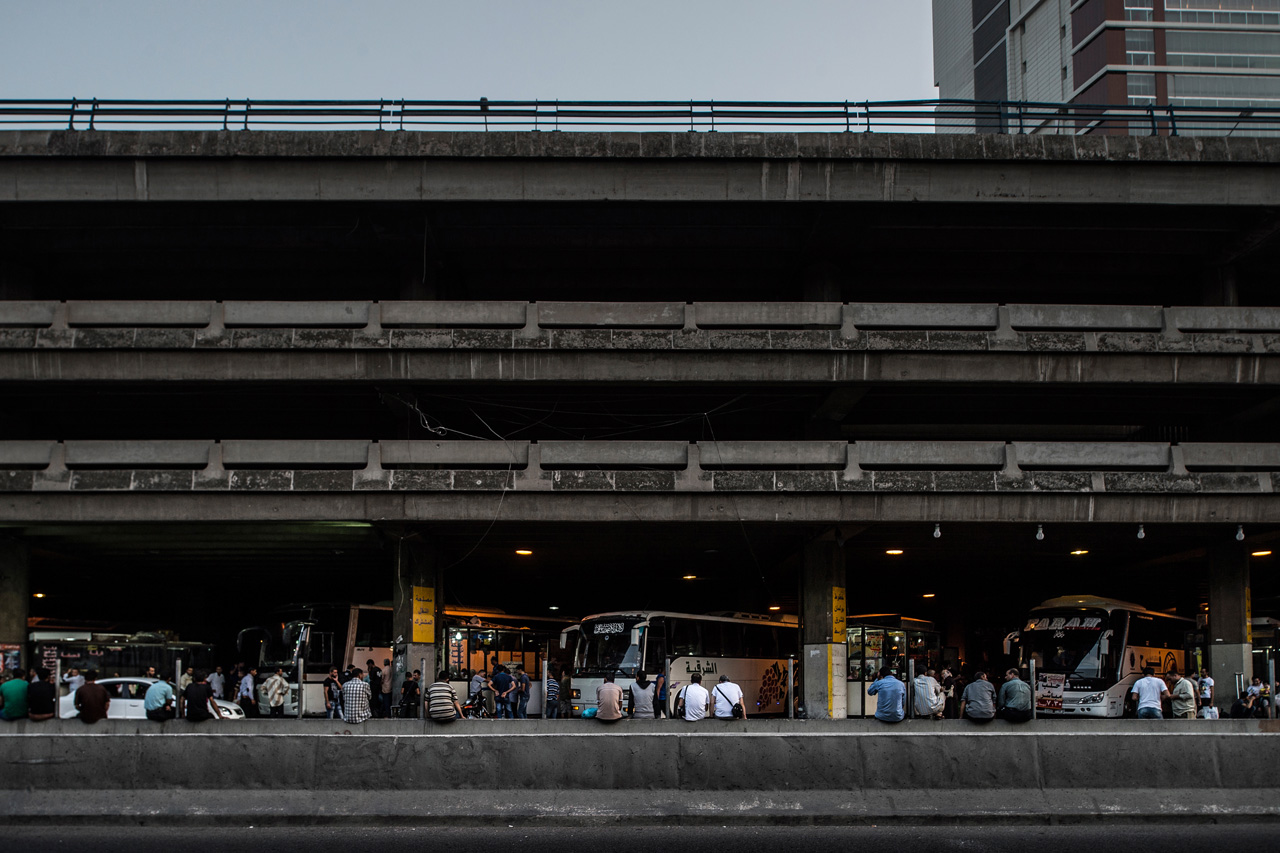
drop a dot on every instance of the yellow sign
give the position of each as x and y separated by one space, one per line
424 614
839 615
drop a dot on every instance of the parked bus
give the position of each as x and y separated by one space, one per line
330 635
751 650
1089 651
116 654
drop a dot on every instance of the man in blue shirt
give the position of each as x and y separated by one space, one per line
158 702
891 697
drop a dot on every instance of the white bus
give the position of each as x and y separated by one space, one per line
1089 651
751 650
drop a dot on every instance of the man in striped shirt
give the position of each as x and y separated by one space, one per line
551 706
442 701
355 698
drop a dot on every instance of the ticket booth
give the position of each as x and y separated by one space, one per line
886 639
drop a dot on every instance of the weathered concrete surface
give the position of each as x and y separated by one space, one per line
761 771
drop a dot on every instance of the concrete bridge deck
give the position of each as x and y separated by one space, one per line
657 772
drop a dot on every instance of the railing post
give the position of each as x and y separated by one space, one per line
247 105
1022 128
711 109
847 129
691 127
1151 110
226 113
93 112
866 107
1173 121
402 113
71 119
381 104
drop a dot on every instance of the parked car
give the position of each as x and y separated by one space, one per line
127 695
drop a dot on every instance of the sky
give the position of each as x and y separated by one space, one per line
787 50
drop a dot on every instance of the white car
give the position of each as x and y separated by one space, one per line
127 695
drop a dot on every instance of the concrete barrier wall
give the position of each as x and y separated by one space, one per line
1172 321
578 755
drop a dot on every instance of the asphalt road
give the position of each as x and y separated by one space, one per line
642 839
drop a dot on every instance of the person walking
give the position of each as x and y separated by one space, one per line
355 698
277 689
247 693
891 697
978 703
1148 692
442 700
727 701
1182 694
1014 703
693 700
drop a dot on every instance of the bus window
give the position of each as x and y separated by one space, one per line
685 638
733 639
712 640
655 653
762 641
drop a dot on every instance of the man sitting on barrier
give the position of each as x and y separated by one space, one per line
1014 703
979 700
891 697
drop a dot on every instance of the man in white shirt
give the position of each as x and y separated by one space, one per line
724 696
695 699
217 682
1149 691
1206 689
930 697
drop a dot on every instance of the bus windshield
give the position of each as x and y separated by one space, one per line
1070 642
605 647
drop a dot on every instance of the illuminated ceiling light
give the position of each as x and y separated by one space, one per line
1239 532
929 595
1079 552
1260 554
1039 532
553 607
41 594
937 531
894 552
691 577
774 607
1142 534
524 552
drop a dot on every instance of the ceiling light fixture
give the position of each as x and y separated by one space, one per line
929 595
937 531
894 552
1142 534
553 607
774 607
37 595
1079 552
1039 532
1239 532
1260 554
524 552
691 577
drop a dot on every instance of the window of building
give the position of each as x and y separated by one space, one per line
1142 88
1239 12
1138 10
1140 47
1199 49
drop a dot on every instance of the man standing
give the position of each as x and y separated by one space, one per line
373 677
332 696
355 698
608 701
725 696
73 679
442 700
502 684
1183 695
551 701
384 688
522 694
891 697
277 689
930 697
187 678
246 695
217 683
92 700
978 703
411 696
158 703
695 699
1206 689
1148 691
1015 699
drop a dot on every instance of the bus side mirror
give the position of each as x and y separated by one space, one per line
635 636
1010 638
564 640
1104 644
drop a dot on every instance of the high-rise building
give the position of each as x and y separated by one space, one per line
1175 53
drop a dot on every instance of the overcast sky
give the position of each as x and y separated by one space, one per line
462 49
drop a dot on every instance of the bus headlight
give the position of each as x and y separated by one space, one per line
1092 699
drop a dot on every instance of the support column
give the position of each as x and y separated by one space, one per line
15 596
824 649
1229 636
417 625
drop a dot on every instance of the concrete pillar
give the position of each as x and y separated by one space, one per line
417 620
1229 637
15 595
824 650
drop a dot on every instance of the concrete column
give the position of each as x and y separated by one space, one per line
1229 638
824 650
15 594
417 625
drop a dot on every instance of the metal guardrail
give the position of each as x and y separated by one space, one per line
693 115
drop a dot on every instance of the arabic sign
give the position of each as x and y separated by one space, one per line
424 614
1061 623
839 613
1049 687
609 628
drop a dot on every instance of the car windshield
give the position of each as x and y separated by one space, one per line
1068 642
604 646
